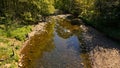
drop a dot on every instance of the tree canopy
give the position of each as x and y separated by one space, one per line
99 13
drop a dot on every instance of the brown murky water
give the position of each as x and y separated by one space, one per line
57 47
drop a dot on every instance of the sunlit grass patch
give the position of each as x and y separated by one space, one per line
9 52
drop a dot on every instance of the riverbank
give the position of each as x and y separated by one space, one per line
40 27
103 52
10 46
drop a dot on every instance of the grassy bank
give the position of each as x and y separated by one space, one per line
9 50
11 40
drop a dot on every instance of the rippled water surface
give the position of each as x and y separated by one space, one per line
58 47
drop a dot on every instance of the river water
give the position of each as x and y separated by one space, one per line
60 46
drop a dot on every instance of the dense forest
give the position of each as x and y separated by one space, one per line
18 16
103 15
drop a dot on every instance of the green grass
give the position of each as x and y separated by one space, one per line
6 53
10 42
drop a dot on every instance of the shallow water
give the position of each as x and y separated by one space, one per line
58 47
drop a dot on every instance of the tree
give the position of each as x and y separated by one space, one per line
27 10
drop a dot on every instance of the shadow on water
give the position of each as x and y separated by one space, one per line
58 47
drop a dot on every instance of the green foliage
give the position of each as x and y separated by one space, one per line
27 10
46 7
15 31
4 52
8 60
102 14
27 16
65 5
2 33
21 33
15 13
99 12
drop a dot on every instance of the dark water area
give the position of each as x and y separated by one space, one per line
58 47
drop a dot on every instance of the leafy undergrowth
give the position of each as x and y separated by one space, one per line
18 32
21 33
10 44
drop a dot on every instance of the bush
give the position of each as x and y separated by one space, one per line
21 33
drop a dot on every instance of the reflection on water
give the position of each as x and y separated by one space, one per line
59 47
36 46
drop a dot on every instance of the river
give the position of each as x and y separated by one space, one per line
62 45
58 47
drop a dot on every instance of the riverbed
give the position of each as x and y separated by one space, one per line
63 45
